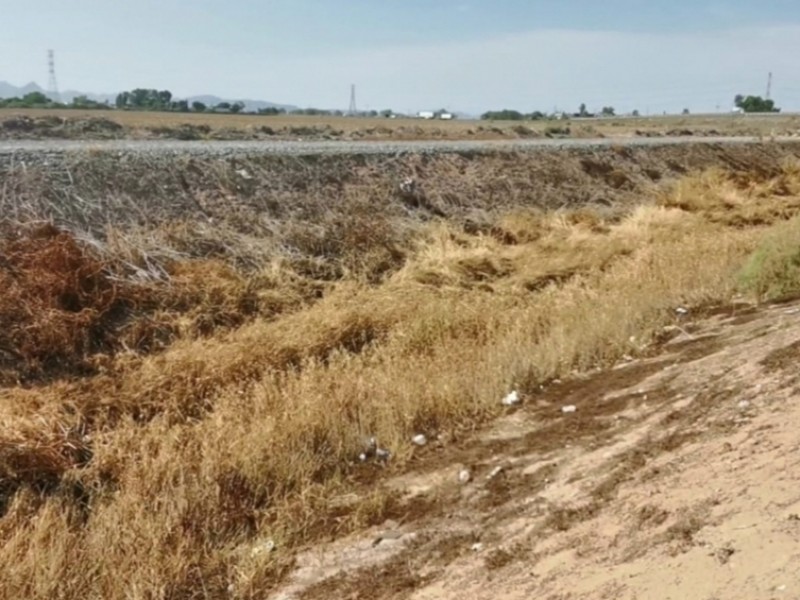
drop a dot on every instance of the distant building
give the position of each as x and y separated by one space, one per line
426 114
446 116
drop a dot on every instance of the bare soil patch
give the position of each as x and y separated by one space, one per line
615 533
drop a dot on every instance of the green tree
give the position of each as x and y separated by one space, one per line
635 113
608 111
180 106
237 107
163 98
35 99
198 106
81 101
755 104
123 100
503 115
582 112
140 98
224 106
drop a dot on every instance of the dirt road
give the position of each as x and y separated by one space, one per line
222 148
676 476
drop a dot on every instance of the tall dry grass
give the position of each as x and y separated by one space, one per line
162 474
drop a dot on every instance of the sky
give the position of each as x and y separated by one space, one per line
409 55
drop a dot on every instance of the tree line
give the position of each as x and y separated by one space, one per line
748 104
162 100
537 115
40 100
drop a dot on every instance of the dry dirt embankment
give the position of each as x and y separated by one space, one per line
255 194
676 477
214 371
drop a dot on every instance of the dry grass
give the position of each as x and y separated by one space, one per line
87 123
161 474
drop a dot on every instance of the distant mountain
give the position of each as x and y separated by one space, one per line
69 95
10 91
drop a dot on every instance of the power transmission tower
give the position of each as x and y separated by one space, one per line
352 111
52 85
769 86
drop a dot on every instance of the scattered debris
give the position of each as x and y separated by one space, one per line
723 555
408 185
494 472
387 536
476 547
372 450
569 409
744 404
264 548
464 476
513 399
419 440
244 174
682 311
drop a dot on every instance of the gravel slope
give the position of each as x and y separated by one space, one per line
223 148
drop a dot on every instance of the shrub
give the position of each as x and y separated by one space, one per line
773 271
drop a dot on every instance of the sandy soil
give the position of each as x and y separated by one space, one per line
675 477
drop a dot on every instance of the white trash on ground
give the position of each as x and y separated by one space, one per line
494 473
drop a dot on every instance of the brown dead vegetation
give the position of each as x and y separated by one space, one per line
178 412
114 124
58 306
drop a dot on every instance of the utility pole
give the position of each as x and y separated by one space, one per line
52 86
353 110
769 86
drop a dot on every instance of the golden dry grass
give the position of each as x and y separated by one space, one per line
161 475
142 123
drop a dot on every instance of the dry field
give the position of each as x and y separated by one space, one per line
92 124
184 402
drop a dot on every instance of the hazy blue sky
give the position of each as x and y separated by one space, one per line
467 55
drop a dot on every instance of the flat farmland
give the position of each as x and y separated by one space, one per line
105 124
